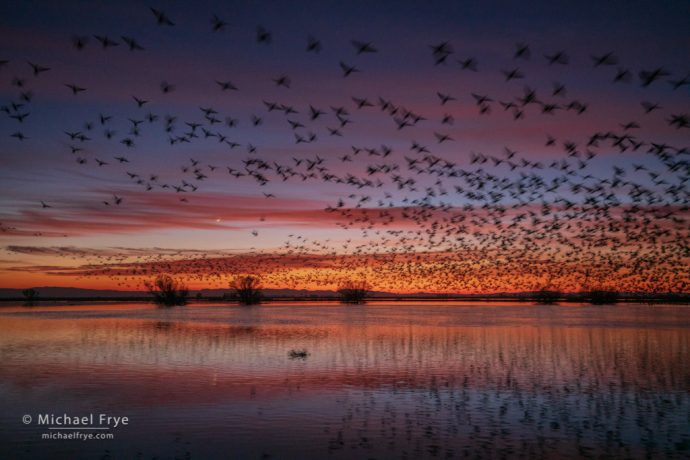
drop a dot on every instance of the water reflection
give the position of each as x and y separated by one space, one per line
379 382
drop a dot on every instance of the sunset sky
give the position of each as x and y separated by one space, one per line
208 194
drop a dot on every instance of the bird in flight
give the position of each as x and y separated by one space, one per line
450 202
647 77
161 18
558 57
226 85
132 44
468 64
347 69
75 89
263 35
283 81
605 59
106 42
313 45
445 98
79 42
217 24
38 69
140 102
522 51
363 47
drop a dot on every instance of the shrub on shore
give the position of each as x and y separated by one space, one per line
30 296
167 291
674 297
547 297
600 297
353 291
247 289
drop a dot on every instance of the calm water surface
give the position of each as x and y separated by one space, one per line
381 381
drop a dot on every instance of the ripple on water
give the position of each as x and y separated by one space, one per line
380 381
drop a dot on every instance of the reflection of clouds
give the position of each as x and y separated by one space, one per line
357 351
423 379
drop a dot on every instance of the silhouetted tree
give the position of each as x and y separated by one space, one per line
547 297
248 289
167 291
601 297
30 295
353 291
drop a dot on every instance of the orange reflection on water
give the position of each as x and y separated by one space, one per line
420 377
227 350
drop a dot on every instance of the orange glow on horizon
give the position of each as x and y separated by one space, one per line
400 273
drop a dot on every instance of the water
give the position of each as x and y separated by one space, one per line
402 380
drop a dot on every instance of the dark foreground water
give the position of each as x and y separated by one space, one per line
380 381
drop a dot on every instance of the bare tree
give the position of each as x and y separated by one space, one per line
167 291
248 289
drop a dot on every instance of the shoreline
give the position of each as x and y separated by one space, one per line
682 299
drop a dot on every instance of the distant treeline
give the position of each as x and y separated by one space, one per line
542 297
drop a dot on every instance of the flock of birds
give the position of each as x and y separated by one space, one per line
413 219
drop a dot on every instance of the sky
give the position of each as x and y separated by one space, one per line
428 168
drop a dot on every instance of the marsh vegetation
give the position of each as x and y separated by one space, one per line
167 291
247 289
354 292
